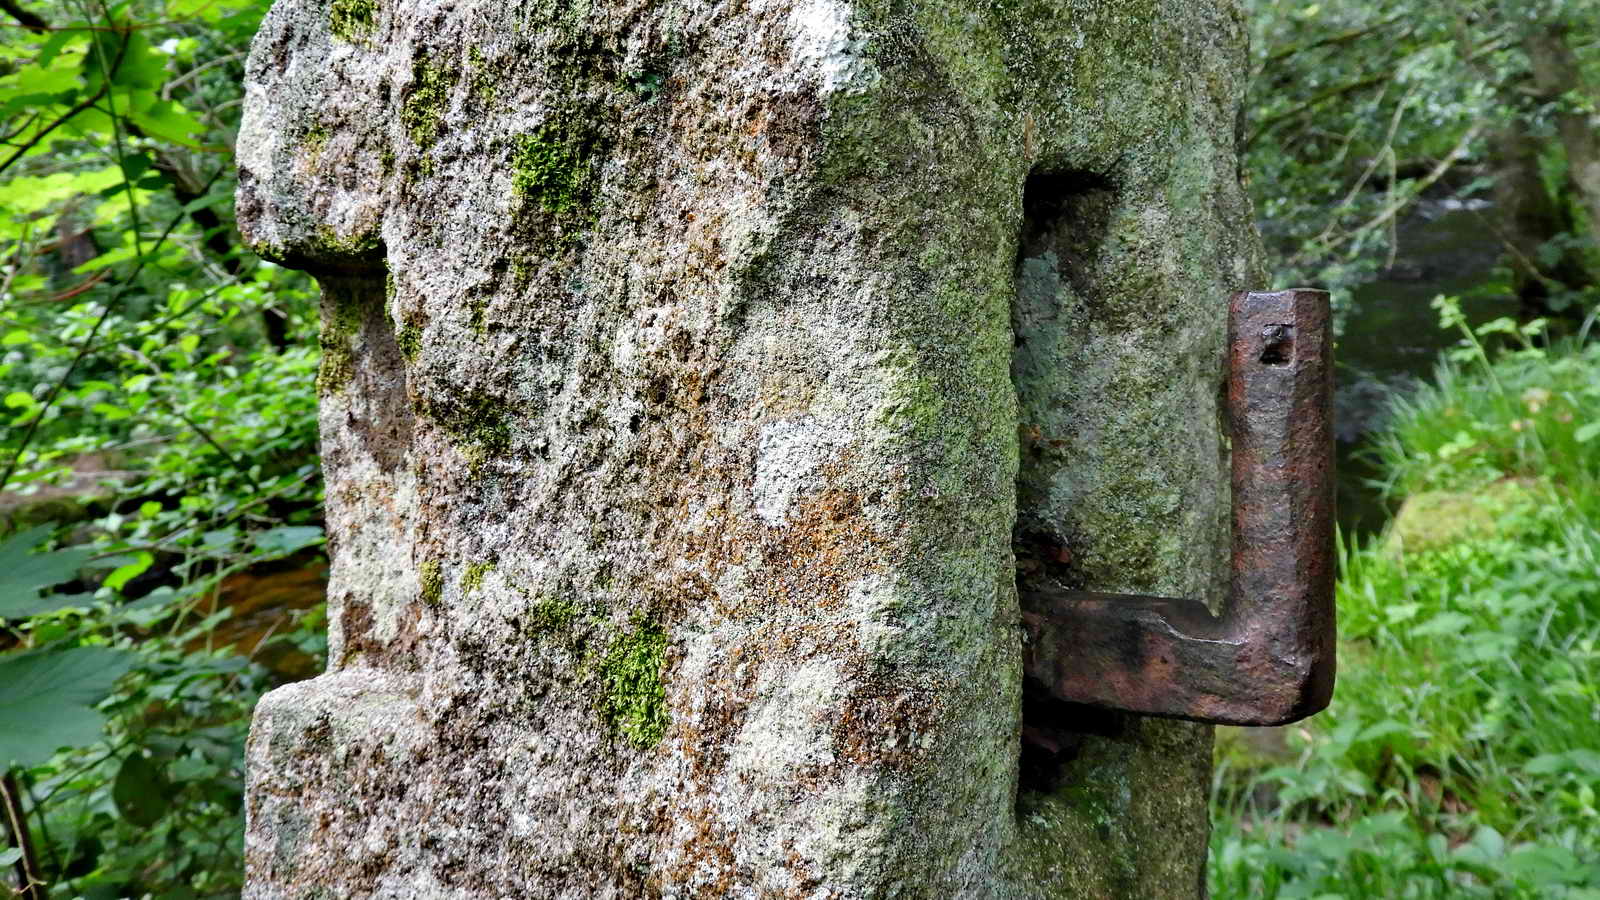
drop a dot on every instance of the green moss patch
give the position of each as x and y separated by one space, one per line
550 616
409 340
550 171
472 578
553 182
633 698
352 20
422 114
475 421
432 582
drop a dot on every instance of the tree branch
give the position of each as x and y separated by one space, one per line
1270 122
27 18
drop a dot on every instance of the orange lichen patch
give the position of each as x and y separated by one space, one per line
887 724
402 652
827 546
707 860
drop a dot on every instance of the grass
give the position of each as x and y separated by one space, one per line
1461 754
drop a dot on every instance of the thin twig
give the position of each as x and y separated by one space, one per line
1393 208
1272 121
25 17
1343 37
17 822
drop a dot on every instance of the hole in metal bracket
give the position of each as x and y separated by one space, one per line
1277 344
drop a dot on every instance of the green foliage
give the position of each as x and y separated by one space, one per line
1461 752
23 573
1358 110
47 700
1531 414
140 344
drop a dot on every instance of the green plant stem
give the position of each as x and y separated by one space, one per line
44 832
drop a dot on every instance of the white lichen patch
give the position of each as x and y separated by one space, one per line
787 461
789 726
823 44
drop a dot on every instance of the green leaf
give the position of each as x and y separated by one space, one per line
10 856
16 336
1443 623
23 573
47 700
286 539
141 792
1587 433
1543 866
167 120
128 571
110 413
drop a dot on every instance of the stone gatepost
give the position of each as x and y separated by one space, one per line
699 378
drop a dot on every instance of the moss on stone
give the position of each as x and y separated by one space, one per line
482 80
342 313
550 615
316 141
409 340
472 578
327 244
633 700
549 170
423 111
1433 520
336 368
477 422
352 20
431 576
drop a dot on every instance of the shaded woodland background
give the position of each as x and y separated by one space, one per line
1436 165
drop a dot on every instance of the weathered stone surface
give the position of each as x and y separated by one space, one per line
673 447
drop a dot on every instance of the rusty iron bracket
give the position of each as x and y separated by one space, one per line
1269 658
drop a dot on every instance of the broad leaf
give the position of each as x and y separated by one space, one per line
286 539
47 700
23 573
141 792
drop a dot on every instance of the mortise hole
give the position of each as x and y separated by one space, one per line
1066 215
1277 344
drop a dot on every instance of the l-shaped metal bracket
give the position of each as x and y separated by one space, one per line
1269 658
